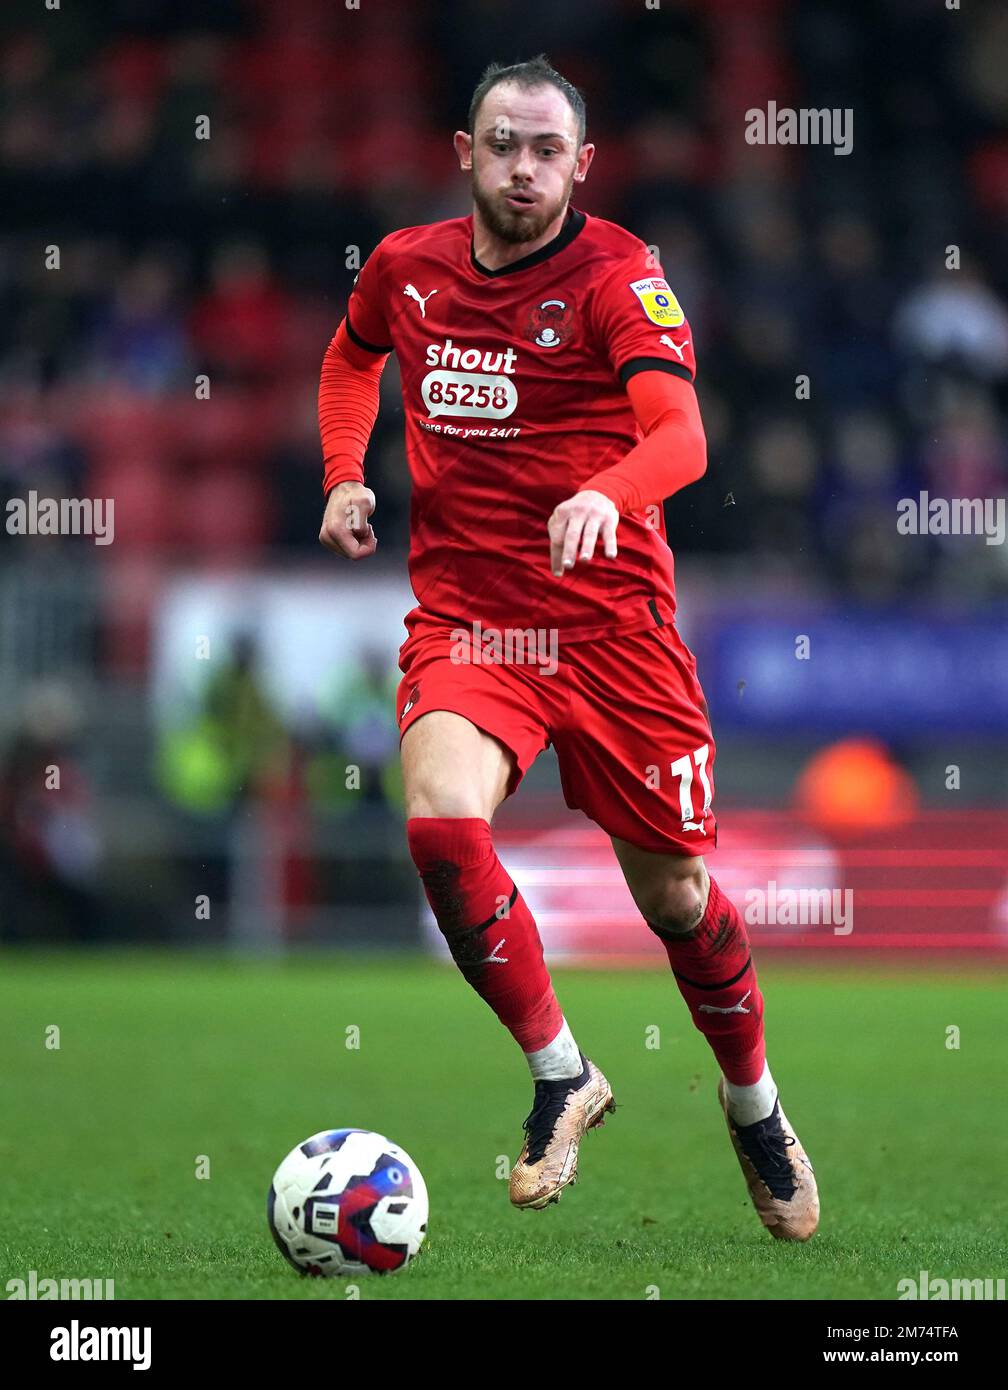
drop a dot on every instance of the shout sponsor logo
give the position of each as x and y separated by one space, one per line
470 381
447 354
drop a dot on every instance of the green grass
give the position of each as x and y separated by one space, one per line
164 1058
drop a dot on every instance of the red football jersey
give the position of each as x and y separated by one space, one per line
514 396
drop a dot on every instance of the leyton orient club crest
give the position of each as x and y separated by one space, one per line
551 324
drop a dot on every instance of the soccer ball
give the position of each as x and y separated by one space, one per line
347 1201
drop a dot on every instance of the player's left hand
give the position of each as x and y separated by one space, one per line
576 525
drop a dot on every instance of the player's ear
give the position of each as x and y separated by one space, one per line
585 156
463 148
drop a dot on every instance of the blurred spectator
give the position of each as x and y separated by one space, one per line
955 318
231 257
233 748
171 360
240 326
362 713
50 843
865 476
783 461
140 340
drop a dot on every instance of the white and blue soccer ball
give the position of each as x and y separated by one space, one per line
348 1202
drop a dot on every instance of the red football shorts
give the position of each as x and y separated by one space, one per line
625 714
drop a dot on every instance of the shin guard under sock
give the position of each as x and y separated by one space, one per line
490 932
715 974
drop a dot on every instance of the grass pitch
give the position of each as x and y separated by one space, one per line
165 1058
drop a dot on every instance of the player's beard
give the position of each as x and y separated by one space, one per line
517 227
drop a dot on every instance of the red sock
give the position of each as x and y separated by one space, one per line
714 971
489 929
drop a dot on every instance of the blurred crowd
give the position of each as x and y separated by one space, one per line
188 191
227 260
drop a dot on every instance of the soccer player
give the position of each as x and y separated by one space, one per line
547 380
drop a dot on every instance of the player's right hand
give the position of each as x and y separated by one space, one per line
345 525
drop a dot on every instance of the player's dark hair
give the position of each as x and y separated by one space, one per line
536 72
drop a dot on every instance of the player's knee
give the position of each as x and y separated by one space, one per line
675 906
431 800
